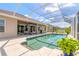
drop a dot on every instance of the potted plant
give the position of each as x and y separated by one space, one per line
68 45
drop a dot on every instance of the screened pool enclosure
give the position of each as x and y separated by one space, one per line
59 15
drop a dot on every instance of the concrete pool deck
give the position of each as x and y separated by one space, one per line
13 47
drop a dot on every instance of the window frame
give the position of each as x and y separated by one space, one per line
4 25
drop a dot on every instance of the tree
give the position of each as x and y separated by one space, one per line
68 30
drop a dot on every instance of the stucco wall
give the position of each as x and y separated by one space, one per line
10 27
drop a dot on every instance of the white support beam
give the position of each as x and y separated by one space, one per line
76 25
37 28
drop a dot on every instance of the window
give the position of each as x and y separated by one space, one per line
2 25
26 28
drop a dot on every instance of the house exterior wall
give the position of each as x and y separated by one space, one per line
10 27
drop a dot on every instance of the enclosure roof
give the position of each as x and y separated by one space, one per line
43 12
61 24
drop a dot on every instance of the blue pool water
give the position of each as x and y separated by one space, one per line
49 40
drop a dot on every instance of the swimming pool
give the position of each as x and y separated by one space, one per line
48 40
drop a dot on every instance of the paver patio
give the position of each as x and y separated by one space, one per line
14 48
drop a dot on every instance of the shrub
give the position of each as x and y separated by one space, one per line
68 45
